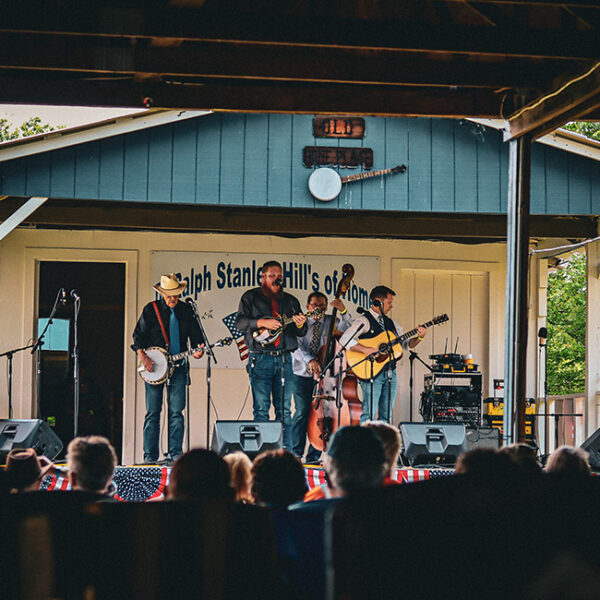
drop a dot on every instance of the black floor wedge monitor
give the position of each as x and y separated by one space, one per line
251 437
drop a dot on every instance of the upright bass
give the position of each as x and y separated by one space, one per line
335 400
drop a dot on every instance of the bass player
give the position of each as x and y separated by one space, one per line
379 395
167 323
261 309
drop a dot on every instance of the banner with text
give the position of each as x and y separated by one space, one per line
216 282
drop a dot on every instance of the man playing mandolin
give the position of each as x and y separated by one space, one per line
380 394
261 312
167 323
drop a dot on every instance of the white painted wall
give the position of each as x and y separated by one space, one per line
454 266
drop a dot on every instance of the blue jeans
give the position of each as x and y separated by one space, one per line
176 402
379 407
303 392
265 379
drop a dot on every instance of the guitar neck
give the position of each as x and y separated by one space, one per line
412 332
366 175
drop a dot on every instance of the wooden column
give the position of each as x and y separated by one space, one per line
517 246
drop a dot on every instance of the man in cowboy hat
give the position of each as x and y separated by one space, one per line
25 470
169 324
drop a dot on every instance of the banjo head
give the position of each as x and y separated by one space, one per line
325 184
161 365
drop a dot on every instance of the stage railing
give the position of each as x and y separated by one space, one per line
571 429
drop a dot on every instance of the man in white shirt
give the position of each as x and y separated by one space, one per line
306 367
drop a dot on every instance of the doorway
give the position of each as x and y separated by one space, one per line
101 287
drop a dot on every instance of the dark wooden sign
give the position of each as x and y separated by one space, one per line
339 127
333 155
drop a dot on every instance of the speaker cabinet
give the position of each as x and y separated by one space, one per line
433 443
251 437
592 446
28 433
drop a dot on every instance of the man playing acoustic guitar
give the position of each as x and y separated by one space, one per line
379 395
167 323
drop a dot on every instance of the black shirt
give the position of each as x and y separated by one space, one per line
255 305
148 332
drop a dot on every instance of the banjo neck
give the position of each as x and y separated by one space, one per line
366 175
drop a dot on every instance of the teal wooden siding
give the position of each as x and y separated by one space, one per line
454 166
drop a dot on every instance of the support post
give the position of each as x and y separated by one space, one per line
517 247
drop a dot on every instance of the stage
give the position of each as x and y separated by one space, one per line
146 483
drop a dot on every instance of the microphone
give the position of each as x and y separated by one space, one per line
75 295
543 335
361 311
376 302
278 282
63 296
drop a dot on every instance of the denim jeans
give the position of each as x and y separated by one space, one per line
379 408
265 379
303 392
176 404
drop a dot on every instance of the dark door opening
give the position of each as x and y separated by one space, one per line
101 287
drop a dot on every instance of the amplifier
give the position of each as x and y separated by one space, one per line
458 414
494 415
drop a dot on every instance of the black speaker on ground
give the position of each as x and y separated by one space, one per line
28 433
592 446
483 437
433 443
251 437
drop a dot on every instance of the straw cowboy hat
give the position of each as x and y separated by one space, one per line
170 285
24 467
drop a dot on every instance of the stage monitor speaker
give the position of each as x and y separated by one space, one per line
592 447
251 437
433 443
483 437
28 433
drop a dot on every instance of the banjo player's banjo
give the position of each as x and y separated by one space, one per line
164 363
325 184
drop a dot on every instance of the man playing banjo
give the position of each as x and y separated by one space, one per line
167 324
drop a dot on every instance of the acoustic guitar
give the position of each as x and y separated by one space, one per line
389 349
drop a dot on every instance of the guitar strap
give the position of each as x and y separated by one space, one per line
162 326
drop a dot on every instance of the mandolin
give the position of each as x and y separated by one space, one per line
265 336
389 349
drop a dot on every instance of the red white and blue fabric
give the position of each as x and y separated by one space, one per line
236 334
140 484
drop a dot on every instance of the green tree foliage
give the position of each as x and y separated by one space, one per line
590 129
32 126
567 327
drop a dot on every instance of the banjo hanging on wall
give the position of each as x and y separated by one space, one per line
326 184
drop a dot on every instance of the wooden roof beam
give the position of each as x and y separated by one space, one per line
274 28
291 222
257 61
574 99
281 97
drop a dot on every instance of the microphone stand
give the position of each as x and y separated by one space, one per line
209 355
76 307
545 382
412 357
9 355
37 347
388 367
337 356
